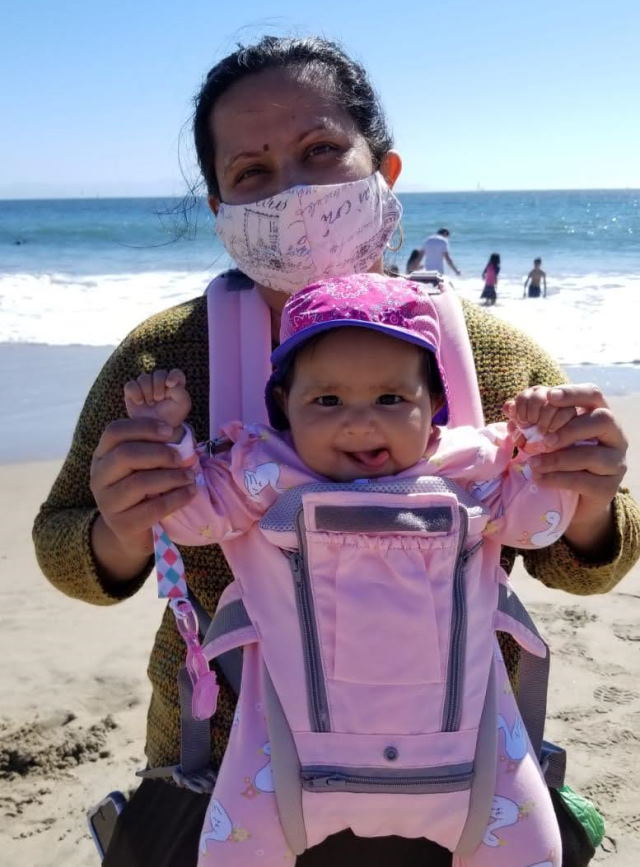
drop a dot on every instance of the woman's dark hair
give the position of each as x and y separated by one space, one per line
348 79
494 259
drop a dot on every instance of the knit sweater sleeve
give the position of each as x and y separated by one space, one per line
507 361
62 528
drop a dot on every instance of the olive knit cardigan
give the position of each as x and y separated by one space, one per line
506 360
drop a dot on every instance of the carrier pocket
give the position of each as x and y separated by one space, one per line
382 580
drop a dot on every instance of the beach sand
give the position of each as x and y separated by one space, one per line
74 690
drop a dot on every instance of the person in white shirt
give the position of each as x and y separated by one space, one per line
436 252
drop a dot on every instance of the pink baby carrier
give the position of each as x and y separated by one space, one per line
366 698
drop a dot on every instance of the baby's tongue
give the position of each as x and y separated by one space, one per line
372 459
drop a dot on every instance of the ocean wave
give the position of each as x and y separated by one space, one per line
586 319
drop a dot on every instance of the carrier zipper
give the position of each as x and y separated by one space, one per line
343 781
451 713
318 704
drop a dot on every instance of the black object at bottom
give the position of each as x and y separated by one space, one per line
161 825
577 850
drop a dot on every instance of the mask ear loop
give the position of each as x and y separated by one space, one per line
400 241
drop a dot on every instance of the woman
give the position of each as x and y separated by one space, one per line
269 117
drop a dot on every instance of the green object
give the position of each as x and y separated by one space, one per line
586 813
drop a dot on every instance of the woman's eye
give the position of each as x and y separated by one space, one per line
390 399
327 400
320 149
249 172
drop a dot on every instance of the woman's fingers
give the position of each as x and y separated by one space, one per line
142 485
584 395
596 459
140 517
596 424
125 430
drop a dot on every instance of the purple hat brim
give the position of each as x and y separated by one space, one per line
281 353
281 356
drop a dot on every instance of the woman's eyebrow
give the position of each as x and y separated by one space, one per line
253 154
249 155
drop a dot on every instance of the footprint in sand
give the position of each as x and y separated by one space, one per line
630 822
614 695
576 616
627 631
605 788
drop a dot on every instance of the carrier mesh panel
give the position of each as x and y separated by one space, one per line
281 517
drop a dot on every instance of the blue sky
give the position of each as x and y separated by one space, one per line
96 96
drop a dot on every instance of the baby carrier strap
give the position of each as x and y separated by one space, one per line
463 397
239 325
533 683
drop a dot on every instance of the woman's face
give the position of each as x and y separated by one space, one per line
278 128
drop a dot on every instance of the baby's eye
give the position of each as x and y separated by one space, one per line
327 400
390 399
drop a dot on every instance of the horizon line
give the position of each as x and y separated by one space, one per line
476 191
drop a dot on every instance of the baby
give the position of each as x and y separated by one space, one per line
358 392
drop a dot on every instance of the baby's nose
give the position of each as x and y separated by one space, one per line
359 420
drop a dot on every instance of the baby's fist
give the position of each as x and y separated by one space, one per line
161 396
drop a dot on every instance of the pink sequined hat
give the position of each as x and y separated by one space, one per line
390 305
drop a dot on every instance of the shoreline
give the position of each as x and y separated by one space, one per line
44 387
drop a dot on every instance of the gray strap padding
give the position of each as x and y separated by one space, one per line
194 771
285 766
230 663
227 619
195 735
484 777
533 673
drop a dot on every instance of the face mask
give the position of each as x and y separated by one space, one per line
307 233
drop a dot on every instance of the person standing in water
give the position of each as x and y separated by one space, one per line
490 277
535 279
436 252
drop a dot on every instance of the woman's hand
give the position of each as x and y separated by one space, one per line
588 457
136 480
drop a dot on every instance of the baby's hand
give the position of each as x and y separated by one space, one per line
532 414
159 395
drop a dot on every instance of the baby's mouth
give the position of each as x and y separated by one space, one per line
371 459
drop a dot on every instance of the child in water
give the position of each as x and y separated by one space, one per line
535 279
356 393
490 277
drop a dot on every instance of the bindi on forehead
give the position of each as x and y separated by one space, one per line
265 147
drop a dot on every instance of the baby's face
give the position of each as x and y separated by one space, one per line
359 406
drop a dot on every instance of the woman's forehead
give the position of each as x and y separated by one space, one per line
273 102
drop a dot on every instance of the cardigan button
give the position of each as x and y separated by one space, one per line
390 753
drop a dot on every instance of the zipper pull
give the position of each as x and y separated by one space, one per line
295 561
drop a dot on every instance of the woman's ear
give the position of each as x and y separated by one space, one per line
214 204
390 167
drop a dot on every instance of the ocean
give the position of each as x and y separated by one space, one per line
87 271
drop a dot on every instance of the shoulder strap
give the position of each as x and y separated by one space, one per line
465 407
239 351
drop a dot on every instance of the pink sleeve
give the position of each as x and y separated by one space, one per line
523 515
221 510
